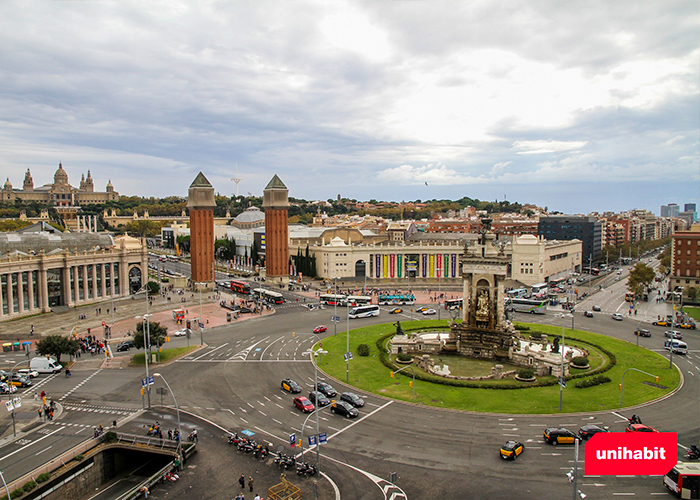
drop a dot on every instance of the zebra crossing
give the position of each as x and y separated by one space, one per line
112 410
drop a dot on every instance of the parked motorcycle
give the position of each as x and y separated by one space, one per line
306 469
693 453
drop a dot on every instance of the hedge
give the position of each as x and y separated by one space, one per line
597 380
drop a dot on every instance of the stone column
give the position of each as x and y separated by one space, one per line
65 274
43 286
94 281
10 295
30 289
76 289
111 278
20 292
103 278
2 294
85 283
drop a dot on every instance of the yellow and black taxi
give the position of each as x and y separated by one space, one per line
344 409
511 450
559 435
686 325
396 310
662 322
422 309
290 385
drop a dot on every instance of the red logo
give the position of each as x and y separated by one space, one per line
631 453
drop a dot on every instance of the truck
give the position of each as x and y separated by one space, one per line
46 364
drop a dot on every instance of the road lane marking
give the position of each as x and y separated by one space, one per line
34 442
42 451
210 352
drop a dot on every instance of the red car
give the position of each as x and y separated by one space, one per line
304 404
639 428
320 329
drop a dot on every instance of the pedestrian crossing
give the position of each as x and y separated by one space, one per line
112 410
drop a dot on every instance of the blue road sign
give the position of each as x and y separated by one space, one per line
312 440
143 382
247 432
292 439
322 438
151 381
345 357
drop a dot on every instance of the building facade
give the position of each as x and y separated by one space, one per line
201 203
685 259
276 205
60 193
41 269
587 229
536 260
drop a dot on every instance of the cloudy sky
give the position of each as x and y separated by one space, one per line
578 106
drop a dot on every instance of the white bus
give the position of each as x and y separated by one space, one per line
359 300
331 299
363 312
269 295
453 304
540 289
516 294
526 306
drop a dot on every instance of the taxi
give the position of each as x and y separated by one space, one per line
511 450
559 435
396 310
663 322
290 385
688 325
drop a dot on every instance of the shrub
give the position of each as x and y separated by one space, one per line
590 382
17 493
404 357
526 372
580 361
110 436
363 350
43 477
29 486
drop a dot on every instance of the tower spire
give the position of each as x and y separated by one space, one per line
236 179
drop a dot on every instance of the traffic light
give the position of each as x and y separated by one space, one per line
391 374
410 383
657 380
620 386
293 334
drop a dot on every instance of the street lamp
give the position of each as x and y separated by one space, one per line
413 384
147 341
561 370
177 410
201 314
7 490
315 355
9 393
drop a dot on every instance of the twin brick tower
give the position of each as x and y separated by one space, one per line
201 203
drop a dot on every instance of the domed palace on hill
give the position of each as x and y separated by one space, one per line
60 193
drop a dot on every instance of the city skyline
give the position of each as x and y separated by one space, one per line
577 108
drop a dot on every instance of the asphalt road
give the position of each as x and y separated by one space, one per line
235 383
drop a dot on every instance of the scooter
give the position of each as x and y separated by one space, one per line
306 469
693 453
634 419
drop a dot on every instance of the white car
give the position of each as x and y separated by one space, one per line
617 317
181 333
429 312
28 372
5 389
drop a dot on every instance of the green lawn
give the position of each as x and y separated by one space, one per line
693 312
368 374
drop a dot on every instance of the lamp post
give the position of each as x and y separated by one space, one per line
317 408
622 381
413 383
335 306
201 314
9 394
7 490
347 348
561 370
147 342
177 410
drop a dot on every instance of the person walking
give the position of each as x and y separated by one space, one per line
241 481
250 483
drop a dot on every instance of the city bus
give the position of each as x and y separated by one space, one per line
359 300
517 293
363 312
397 300
684 480
629 297
594 271
557 282
331 299
453 304
240 287
173 258
269 295
527 306
540 289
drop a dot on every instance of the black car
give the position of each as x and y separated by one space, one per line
588 431
559 435
344 409
597 308
322 400
353 399
588 314
20 381
290 385
125 346
641 332
326 389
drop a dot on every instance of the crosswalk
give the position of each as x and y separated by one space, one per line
112 410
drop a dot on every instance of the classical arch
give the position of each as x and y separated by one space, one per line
136 279
360 269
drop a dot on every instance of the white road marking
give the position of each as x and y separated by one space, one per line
42 451
210 352
23 447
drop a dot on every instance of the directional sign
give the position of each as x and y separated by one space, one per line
322 438
145 382
349 355
312 440
201 326
562 382
247 432
15 403
292 439
345 356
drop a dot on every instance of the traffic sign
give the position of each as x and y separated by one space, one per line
292 439
349 355
322 438
312 440
15 403
562 382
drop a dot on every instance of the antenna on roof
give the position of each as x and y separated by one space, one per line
236 179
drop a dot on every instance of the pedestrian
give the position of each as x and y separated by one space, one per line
31 331
176 464
241 481
170 434
40 412
250 483
257 497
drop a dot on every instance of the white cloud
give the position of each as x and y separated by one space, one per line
548 146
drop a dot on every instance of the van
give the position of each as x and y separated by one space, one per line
676 346
43 364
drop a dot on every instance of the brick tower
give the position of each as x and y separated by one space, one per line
201 203
276 204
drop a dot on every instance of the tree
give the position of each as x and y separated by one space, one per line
153 288
157 334
692 292
640 278
55 345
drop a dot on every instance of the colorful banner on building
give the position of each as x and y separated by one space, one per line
454 265
379 265
432 265
392 265
385 258
446 265
425 265
438 257
398 265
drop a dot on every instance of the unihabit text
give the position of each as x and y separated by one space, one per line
624 453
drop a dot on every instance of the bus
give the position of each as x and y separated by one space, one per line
240 287
363 312
540 289
397 300
359 300
629 297
526 306
173 258
557 282
684 480
517 293
594 271
269 295
331 299
452 304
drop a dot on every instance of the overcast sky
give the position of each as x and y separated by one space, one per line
578 106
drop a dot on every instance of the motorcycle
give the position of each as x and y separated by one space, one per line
306 469
634 419
693 453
